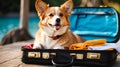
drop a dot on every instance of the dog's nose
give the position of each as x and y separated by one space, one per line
58 20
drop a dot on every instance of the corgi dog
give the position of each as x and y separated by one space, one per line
54 32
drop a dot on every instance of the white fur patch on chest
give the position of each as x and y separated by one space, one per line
47 42
50 43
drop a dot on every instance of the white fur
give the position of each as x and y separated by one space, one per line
58 47
56 10
53 20
48 31
47 42
61 31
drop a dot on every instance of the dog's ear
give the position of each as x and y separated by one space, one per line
40 7
67 7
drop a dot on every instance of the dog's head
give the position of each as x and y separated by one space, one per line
54 20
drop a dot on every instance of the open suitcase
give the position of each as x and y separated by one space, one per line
90 23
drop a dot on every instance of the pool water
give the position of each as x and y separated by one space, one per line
9 23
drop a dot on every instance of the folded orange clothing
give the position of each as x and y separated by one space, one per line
86 44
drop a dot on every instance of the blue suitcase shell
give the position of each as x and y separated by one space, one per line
95 23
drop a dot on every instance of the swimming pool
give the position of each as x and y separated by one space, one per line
9 23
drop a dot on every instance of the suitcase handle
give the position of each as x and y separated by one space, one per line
62 65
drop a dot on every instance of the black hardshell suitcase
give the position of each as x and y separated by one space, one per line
101 23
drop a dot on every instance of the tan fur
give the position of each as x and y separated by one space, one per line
43 38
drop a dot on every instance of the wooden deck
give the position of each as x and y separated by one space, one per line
10 56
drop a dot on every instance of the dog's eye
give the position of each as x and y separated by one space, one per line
51 15
61 15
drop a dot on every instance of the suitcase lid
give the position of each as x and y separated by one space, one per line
95 23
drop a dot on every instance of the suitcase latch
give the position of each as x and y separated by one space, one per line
45 55
34 54
78 56
93 55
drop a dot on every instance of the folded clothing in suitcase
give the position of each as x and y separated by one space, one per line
90 23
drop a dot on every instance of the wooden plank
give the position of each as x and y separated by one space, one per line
10 55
